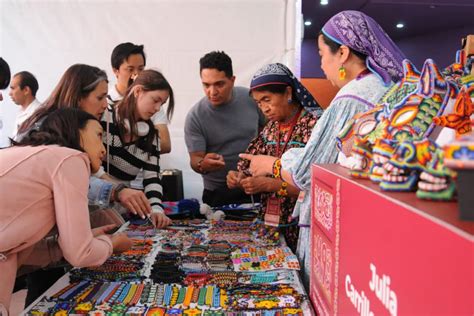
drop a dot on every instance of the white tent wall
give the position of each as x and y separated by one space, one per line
45 37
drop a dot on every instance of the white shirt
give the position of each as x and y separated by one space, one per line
24 114
157 118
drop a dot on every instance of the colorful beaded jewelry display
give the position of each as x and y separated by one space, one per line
192 267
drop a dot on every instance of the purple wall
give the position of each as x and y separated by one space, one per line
310 61
441 47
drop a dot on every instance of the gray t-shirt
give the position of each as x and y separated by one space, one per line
226 130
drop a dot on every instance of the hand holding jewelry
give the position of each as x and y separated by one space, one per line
260 165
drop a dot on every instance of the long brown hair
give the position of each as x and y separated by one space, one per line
61 127
76 83
148 80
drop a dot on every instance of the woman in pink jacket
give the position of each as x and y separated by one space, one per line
44 181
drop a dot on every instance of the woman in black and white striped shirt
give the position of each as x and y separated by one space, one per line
132 142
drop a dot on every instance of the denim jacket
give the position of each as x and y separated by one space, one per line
99 192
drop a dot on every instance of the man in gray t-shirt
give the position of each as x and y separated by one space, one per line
219 127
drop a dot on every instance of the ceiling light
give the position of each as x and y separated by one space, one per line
324 2
400 25
307 23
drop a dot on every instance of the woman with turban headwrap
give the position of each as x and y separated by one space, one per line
358 57
283 100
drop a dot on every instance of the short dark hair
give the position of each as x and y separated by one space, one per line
217 60
28 80
122 51
333 47
61 127
4 74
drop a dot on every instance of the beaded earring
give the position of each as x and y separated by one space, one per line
342 73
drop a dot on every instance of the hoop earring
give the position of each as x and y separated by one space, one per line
342 73
290 101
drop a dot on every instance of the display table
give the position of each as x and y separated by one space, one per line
375 252
189 244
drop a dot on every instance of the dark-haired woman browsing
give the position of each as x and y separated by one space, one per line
67 146
85 87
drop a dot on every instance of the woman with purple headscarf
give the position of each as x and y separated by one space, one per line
358 57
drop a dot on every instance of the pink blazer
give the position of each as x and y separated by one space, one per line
41 187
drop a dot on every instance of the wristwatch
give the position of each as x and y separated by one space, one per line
117 190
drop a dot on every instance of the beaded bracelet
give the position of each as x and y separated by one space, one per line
80 291
69 294
104 287
202 296
89 297
114 293
209 293
216 298
167 295
113 296
83 308
182 293
118 309
137 295
145 293
174 311
283 189
195 296
123 294
111 288
192 312
131 292
276 170
64 290
224 299
62 308
189 295
174 295
83 295
160 292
